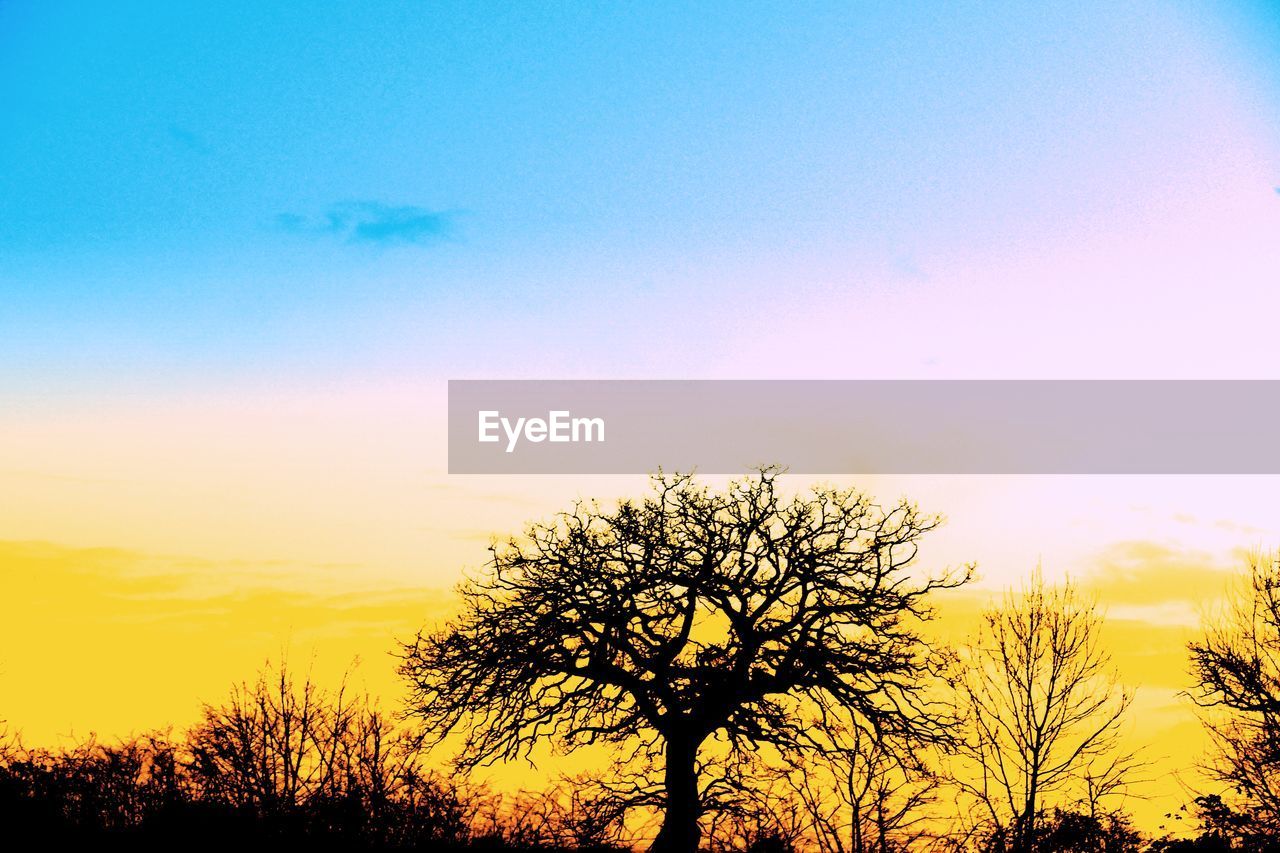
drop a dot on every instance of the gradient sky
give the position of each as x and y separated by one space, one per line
193 196
242 246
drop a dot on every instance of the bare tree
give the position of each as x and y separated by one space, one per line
574 814
688 616
864 794
1237 669
283 748
1044 711
761 817
273 744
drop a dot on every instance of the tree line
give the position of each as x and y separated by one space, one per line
758 672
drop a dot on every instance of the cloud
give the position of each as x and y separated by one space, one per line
187 139
115 641
1149 573
375 223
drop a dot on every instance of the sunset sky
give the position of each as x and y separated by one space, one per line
243 247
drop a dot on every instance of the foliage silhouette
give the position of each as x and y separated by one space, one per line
282 761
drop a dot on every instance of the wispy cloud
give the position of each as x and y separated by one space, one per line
188 139
1144 573
374 222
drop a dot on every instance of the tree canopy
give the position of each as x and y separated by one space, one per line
740 614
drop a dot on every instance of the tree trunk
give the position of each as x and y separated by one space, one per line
1023 831
1024 841
680 832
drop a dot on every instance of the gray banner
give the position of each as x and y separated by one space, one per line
864 426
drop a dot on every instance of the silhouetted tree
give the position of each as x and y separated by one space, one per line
302 759
575 814
760 819
1237 669
863 793
1044 712
285 763
687 616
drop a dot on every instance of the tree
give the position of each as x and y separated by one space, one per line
685 617
298 757
864 794
572 815
1237 670
274 744
1044 710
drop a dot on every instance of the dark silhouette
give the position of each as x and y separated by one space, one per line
687 616
1237 669
1223 829
283 763
1078 832
326 762
864 793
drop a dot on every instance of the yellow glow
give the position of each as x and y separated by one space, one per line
196 540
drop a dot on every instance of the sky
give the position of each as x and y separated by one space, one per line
243 246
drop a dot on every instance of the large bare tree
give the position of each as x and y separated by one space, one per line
687 616
1044 711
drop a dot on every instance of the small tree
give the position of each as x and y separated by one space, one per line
1237 669
863 794
1044 711
687 616
292 753
274 745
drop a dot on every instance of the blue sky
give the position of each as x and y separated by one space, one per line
209 192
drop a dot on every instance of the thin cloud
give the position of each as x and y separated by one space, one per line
372 222
1149 574
188 139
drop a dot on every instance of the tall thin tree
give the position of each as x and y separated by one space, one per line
1044 710
1237 669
